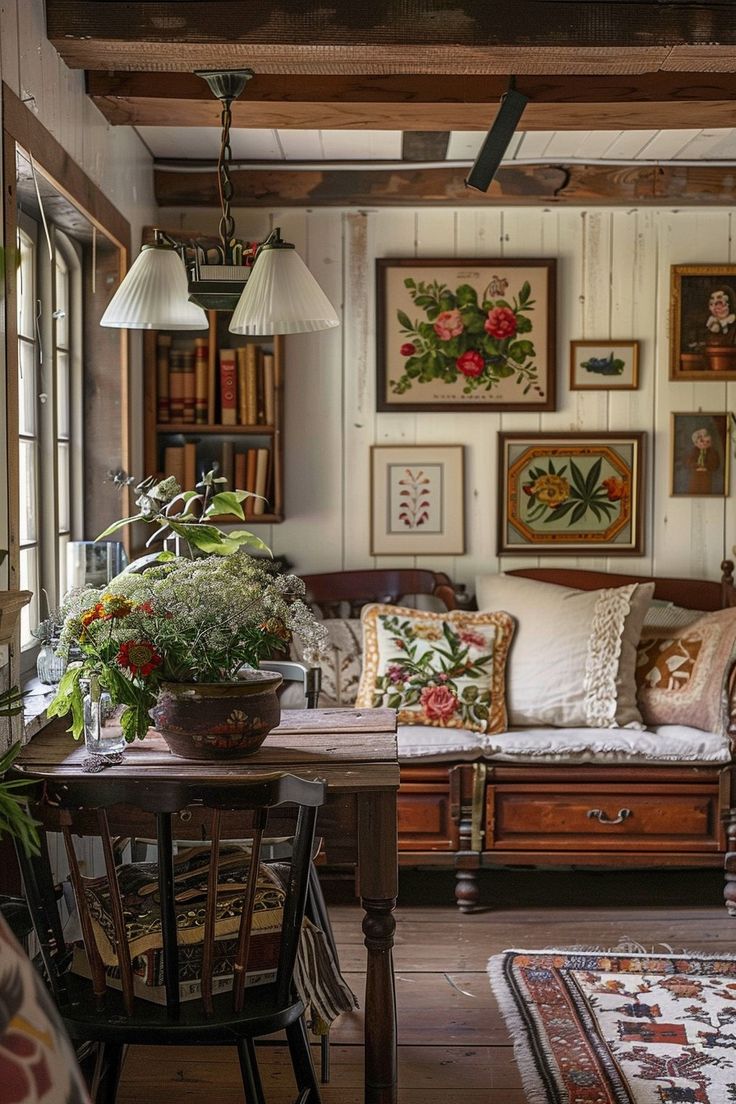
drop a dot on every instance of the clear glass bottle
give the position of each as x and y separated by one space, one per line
50 667
102 732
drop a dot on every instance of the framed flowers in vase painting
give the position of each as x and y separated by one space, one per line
472 334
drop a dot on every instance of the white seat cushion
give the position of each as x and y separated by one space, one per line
666 744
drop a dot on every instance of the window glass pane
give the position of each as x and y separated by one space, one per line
62 488
26 388
62 584
62 394
62 303
26 287
28 455
29 617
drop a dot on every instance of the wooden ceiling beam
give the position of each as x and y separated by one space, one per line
396 36
513 185
421 103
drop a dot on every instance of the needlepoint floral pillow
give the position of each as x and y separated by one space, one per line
442 669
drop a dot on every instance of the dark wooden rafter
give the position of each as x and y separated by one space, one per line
399 36
513 185
421 102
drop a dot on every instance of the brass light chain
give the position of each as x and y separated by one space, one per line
225 186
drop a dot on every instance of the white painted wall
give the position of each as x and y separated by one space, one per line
613 281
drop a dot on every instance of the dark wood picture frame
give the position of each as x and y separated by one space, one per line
626 488
699 469
699 349
493 279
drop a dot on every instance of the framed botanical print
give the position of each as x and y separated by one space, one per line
417 500
458 335
571 493
699 454
604 365
703 322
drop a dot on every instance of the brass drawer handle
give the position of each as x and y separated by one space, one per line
600 816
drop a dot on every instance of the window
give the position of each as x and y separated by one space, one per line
50 416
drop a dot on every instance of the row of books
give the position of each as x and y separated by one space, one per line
248 470
193 389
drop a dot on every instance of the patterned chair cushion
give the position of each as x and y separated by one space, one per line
444 670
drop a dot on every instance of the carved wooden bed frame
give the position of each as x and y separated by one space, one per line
480 815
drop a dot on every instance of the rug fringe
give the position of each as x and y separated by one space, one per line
621 949
531 1079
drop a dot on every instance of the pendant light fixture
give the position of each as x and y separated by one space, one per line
172 280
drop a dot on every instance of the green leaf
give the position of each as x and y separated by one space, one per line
560 511
119 525
525 292
523 325
593 476
404 320
225 502
577 478
578 513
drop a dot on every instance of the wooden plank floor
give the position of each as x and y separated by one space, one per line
454 1048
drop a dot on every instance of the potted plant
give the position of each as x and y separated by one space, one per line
180 643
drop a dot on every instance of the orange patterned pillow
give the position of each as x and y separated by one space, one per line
681 672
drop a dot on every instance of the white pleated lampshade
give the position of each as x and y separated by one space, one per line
282 297
154 295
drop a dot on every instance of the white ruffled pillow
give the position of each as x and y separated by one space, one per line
573 657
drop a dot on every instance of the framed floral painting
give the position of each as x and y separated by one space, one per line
417 500
703 322
472 334
699 454
571 493
604 365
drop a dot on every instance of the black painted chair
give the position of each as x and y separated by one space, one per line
115 1019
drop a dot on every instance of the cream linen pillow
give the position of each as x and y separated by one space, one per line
573 658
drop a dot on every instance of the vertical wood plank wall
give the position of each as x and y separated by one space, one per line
613 282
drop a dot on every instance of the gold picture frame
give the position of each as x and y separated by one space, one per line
703 322
700 454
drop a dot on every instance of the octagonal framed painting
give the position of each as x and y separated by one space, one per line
571 493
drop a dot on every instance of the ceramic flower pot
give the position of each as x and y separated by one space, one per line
212 720
721 358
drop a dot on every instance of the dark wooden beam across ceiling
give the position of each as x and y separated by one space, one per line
422 103
514 184
396 36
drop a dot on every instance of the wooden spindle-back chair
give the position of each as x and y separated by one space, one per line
212 812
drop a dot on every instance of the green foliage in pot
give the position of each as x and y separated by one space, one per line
188 515
15 820
200 620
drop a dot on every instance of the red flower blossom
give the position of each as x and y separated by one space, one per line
473 639
471 364
146 607
408 348
501 322
139 656
439 702
448 324
617 488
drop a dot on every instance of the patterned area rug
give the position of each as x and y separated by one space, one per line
593 1027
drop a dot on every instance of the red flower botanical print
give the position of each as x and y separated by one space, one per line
470 364
448 324
501 322
438 702
139 657
408 348
616 488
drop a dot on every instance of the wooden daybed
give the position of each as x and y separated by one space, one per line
485 813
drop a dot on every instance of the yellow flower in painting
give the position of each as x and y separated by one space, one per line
552 490
427 632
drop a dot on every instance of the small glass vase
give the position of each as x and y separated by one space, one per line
102 733
50 667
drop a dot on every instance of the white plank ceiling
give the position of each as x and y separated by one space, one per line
188 143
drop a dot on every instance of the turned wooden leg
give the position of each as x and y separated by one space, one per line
467 890
729 863
380 1001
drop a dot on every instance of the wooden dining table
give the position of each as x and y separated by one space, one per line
354 752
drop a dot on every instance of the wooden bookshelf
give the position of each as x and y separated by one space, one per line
215 441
